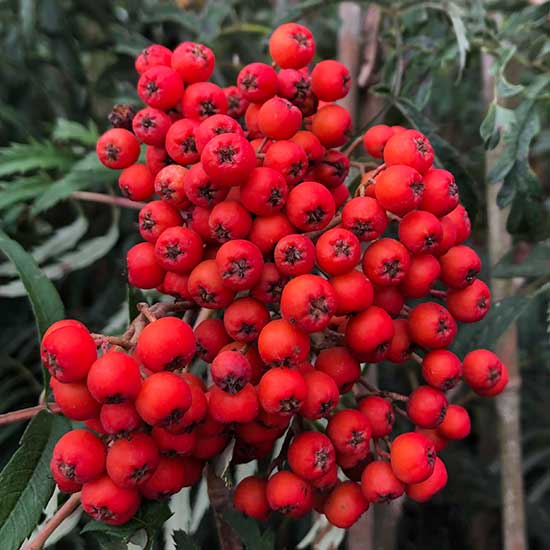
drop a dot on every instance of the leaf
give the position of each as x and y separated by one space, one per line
222 461
86 173
151 517
249 532
19 158
497 120
68 130
504 88
45 301
455 14
536 264
22 189
26 484
163 13
183 541
446 155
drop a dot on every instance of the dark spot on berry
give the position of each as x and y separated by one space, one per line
342 248
102 513
292 255
206 296
361 227
141 472
275 197
318 307
249 82
165 191
226 155
421 146
173 251
173 418
357 437
392 269
222 234
147 221
317 215
176 363
208 108
151 88
238 268
68 470
289 405
471 275
321 459
417 188
232 383
188 145
112 152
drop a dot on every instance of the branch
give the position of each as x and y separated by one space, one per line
63 513
373 390
25 414
107 199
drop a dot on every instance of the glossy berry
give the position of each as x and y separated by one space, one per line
291 46
155 217
456 424
386 262
137 183
280 344
240 264
163 400
364 217
226 407
332 125
68 353
250 498
420 232
236 103
330 80
193 62
440 192
289 494
75 400
379 483
167 479
345 505
120 419
470 304
459 266
422 274
354 292
114 378
257 82
105 501
432 326
370 332
310 206
117 148
311 455
410 148
427 406
482 369
210 337
322 395
340 365
399 189
350 431
425 490
78 456
230 371
202 100
151 126
282 391
143 268
375 140
294 255
131 461
166 344
278 118
160 87
380 414
308 302
412 457
264 192
338 251
289 159
206 286
153 55
441 369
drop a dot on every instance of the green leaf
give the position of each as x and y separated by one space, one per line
67 130
163 13
21 190
504 88
455 14
26 484
150 517
446 155
249 532
19 158
536 264
497 120
183 541
45 301
85 174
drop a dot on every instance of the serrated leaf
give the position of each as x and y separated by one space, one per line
22 189
497 120
183 541
85 174
71 131
151 517
249 532
20 158
45 301
446 155
536 264
26 484
455 14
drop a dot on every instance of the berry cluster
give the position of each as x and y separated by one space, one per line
253 223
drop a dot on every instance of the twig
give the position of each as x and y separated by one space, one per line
279 460
107 199
63 513
261 146
113 340
373 390
25 414
147 312
401 412
353 145
417 358
379 451
438 293
360 192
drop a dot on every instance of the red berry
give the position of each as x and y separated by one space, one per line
460 218
137 183
322 395
231 371
210 336
375 140
79 456
117 148
169 444
240 264
482 369
206 286
470 304
236 103
349 431
175 284
250 497
155 217
287 158
389 298
440 192
338 251
380 414
68 353
153 55
289 494
264 192
168 479
332 125
74 400
163 400
441 369
432 326
151 125
340 365
399 189
104 501
200 190
459 266
353 292
291 46
294 255
456 424
193 62
202 100
156 158
120 419
308 301
294 85
386 262
345 505
257 82
423 271
131 461
425 490
282 391
279 119
330 80
281 344
143 268
114 378
245 318
267 231
420 232
239 407
370 332
178 249
310 206
364 217
166 344
400 347
410 148
181 143
160 87
427 406
412 457
379 484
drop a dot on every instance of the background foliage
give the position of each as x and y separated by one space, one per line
63 63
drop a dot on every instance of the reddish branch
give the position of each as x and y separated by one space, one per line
25 414
373 390
107 199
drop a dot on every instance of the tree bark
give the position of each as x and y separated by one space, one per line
508 403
